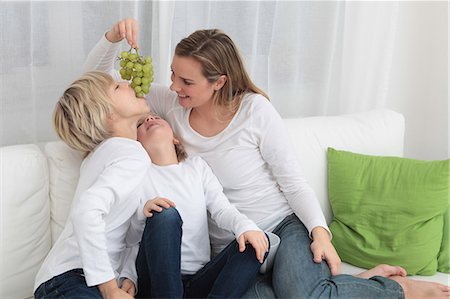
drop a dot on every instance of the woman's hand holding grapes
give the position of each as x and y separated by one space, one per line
126 28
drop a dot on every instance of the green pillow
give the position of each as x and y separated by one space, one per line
443 258
388 210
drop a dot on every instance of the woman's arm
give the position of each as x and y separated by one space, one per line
278 153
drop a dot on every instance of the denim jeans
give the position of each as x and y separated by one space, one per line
296 275
70 284
228 275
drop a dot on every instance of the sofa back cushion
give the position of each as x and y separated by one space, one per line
377 132
24 216
64 166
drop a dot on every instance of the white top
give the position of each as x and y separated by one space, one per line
252 157
195 190
108 194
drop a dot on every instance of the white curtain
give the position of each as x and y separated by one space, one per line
312 57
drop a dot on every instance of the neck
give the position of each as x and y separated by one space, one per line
213 113
163 155
124 129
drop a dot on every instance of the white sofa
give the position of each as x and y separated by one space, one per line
38 181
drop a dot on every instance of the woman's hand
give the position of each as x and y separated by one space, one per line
128 286
322 249
258 240
156 204
126 28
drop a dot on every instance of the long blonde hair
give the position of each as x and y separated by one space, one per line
219 56
80 115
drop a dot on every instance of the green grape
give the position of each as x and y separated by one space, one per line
136 69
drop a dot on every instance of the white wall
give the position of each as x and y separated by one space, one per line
419 82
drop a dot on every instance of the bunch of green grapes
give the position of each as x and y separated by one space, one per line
136 69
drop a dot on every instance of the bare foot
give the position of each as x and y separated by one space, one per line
416 289
383 270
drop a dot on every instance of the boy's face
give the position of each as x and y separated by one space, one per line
152 130
125 103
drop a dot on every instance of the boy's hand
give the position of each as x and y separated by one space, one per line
156 204
126 28
258 240
128 286
110 290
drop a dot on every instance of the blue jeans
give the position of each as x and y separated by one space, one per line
228 275
296 275
70 284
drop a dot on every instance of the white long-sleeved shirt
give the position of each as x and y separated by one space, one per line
252 157
195 190
108 194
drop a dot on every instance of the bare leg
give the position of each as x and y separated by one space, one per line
414 289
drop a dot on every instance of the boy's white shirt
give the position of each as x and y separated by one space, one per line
255 141
195 190
107 196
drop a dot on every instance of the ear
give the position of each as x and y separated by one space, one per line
220 82
176 141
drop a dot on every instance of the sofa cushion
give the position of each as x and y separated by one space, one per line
376 132
64 165
388 209
25 218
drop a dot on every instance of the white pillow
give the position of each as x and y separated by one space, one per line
64 166
24 218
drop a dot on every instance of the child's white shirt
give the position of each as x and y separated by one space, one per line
195 190
107 196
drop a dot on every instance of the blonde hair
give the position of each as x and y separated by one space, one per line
80 115
219 56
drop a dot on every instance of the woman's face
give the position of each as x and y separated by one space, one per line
188 82
125 103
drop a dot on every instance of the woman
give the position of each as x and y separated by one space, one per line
223 117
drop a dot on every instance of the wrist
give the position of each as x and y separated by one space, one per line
107 287
321 233
112 37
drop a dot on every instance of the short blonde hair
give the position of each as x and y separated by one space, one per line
80 116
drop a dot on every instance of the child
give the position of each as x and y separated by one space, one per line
195 191
99 117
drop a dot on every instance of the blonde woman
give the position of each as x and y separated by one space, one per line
220 115
98 116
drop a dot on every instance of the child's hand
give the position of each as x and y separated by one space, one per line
110 290
126 28
156 204
128 286
258 240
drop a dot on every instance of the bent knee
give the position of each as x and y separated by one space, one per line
169 216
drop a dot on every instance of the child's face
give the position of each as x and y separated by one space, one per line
154 129
125 102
